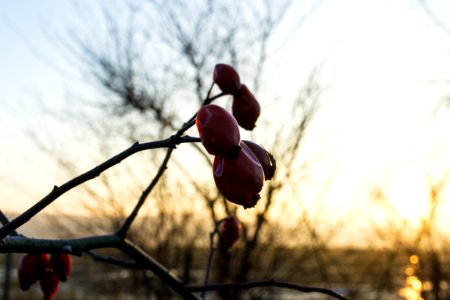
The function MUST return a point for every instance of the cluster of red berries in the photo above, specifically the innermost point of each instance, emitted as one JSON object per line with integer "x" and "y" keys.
{"x": 245, "y": 107}
{"x": 229, "y": 230}
{"x": 48, "y": 270}
{"x": 240, "y": 167}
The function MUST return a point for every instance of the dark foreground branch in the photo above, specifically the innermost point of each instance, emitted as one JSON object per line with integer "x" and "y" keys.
{"x": 89, "y": 175}
{"x": 127, "y": 263}
{"x": 267, "y": 283}
{"x": 21, "y": 244}
{"x": 147, "y": 262}
{"x": 4, "y": 220}
{"x": 139, "y": 260}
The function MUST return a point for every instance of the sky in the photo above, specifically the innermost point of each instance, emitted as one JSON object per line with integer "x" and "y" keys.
{"x": 385, "y": 65}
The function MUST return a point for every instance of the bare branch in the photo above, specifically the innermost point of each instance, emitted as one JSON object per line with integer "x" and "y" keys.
{"x": 22, "y": 244}
{"x": 4, "y": 220}
{"x": 127, "y": 263}
{"x": 267, "y": 283}
{"x": 126, "y": 225}
{"x": 91, "y": 174}
{"x": 159, "y": 270}
{"x": 77, "y": 246}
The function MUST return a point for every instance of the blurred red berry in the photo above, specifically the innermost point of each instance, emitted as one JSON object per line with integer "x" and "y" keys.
{"x": 42, "y": 262}
{"x": 49, "y": 285}
{"x": 218, "y": 130}
{"x": 265, "y": 159}
{"x": 229, "y": 231}
{"x": 31, "y": 268}
{"x": 227, "y": 78}
{"x": 245, "y": 108}
{"x": 27, "y": 271}
{"x": 239, "y": 179}
{"x": 61, "y": 264}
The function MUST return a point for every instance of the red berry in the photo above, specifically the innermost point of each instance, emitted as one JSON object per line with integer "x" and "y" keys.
{"x": 245, "y": 108}
{"x": 42, "y": 262}
{"x": 49, "y": 285}
{"x": 226, "y": 77}
{"x": 229, "y": 231}
{"x": 239, "y": 179}
{"x": 31, "y": 268}
{"x": 61, "y": 264}
{"x": 218, "y": 130}
{"x": 265, "y": 159}
{"x": 27, "y": 271}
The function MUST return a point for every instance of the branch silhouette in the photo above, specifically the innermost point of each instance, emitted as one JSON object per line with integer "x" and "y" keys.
{"x": 265, "y": 283}
{"x": 89, "y": 175}
{"x": 12, "y": 242}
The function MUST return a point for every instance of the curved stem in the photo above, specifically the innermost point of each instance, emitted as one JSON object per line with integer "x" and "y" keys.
{"x": 210, "y": 257}
{"x": 267, "y": 283}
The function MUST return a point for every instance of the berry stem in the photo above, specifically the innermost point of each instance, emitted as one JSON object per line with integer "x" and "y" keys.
{"x": 210, "y": 89}
{"x": 191, "y": 121}
{"x": 210, "y": 257}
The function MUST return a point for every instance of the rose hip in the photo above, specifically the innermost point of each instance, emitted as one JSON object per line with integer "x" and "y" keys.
{"x": 31, "y": 268}
{"x": 49, "y": 285}
{"x": 239, "y": 179}
{"x": 218, "y": 130}
{"x": 245, "y": 108}
{"x": 229, "y": 231}
{"x": 61, "y": 264}
{"x": 265, "y": 158}
{"x": 227, "y": 78}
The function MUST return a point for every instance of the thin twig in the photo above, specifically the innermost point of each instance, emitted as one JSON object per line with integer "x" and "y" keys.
{"x": 4, "y": 220}
{"x": 191, "y": 121}
{"x": 267, "y": 283}
{"x": 209, "y": 91}
{"x": 89, "y": 175}
{"x": 127, "y": 224}
{"x": 210, "y": 257}
{"x": 127, "y": 263}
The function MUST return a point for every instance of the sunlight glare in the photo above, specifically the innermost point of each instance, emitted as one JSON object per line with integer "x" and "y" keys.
{"x": 414, "y": 259}
{"x": 413, "y": 286}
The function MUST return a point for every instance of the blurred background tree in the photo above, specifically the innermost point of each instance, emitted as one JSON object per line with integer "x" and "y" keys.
{"x": 141, "y": 60}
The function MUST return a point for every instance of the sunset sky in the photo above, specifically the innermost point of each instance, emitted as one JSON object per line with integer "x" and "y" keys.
{"x": 385, "y": 65}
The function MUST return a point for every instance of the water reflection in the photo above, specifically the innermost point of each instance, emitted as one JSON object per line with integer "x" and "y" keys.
{"x": 412, "y": 290}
